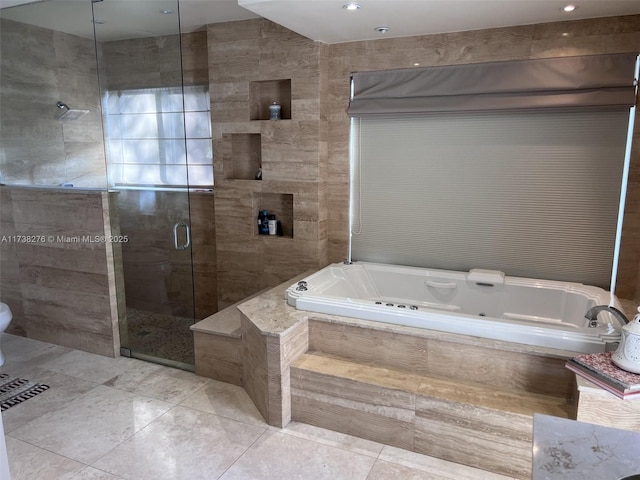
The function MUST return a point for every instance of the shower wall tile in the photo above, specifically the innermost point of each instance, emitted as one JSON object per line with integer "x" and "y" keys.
{"x": 580, "y": 37}
{"x": 156, "y": 61}
{"x": 203, "y": 239}
{"x": 195, "y": 68}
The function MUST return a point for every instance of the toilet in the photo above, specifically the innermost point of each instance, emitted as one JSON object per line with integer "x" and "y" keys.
{"x": 5, "y": 318}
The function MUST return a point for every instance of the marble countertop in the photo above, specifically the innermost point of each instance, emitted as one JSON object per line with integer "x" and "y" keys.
{"x": 567, "y": 450}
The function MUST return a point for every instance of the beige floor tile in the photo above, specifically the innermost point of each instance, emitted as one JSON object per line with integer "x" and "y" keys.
{"x": 184, "y": 444}
{"x": 334, "y": 439}
{"x": 435, "y": 466}
{"x": 91, "y": 473}
{"x": 276, "y": 457}
{"x": 23, "y": 353}
{"x": 91, "y": 367}
{"x": 156, "y": 381}
{"x": 92, "y": 424}
{"x": 27, "y": 462}
{"x": 62, "y": 390}
{"x": 226, "y": 400}
{"x": 387, "y": 471}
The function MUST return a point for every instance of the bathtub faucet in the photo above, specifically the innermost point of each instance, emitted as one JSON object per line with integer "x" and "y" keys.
{"x": 593, "y": 312}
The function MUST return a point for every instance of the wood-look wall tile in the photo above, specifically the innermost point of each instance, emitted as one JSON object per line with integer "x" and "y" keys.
{"x": 474, "y": 437}
{"x": 219, "y": 357}
{"x": 254, "y": 368}
{"x": 598, "y": 406}
{"x": 237, "y": 285}
{"x": 351, "y": 419}
{"x": 66, "y": 335}
{"x": 433, "y": 357}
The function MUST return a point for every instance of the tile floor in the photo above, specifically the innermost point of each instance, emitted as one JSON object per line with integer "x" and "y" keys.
{"x": 112, "y": 419}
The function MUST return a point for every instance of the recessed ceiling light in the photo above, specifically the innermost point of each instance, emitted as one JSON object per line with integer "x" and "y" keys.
{"x": 569, "y": 8}
{"x": 166, "y": 11}
{"x": 416, "y": 64}
{"x": 353, "y": 6}
{"x": 382, "y": 29}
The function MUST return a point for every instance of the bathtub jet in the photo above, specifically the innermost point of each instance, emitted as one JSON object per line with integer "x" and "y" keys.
{"x": 480, "y": 303}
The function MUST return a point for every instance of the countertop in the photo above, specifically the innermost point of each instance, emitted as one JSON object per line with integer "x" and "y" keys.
{"x": 567, "y": 450}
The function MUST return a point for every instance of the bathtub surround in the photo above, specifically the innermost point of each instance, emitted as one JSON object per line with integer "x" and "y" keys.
{"x": 455, "y": 397}
{"x": 392, "y": 384}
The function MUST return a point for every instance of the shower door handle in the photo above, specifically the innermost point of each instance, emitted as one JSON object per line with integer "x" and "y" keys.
{"x": 187, "y": 232}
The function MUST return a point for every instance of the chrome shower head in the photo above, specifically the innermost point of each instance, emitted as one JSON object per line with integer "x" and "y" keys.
{"x": 70, "y": 114}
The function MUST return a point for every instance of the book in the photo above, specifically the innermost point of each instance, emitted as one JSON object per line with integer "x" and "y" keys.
{"x": 599, "y": 369}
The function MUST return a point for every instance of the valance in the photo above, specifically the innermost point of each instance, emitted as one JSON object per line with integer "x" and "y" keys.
{"x": 589, "y": 80}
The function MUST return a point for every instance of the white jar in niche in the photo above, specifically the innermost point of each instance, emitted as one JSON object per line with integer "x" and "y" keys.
{"x": 275, "y": 111}
{"x": 273, "y": 224}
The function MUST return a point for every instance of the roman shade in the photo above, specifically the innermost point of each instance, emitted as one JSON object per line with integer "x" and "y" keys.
{"x": 581, "y": 81}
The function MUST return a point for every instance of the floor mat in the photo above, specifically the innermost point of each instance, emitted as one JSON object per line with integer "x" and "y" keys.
{"x": 14, "y": 391}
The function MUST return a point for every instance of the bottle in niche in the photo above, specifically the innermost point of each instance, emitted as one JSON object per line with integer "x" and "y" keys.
{"x": 264, "y": 227}
{"x": 275, "y": 111}
{"x": 272, "y": 224}
{"x": 262, "y": 221}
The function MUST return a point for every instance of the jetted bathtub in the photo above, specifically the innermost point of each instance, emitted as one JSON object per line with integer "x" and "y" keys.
{"x": 481, "y": 303}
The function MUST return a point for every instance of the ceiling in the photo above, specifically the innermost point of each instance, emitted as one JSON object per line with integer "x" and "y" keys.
{"x": 321, "y": 20}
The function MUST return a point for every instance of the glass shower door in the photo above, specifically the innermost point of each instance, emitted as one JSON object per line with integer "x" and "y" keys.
{"x": 145, "y": 128}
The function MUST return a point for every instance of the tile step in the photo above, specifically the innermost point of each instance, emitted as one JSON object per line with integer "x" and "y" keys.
{"x": 461, "y": 422}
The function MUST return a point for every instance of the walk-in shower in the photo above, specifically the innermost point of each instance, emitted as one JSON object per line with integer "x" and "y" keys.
{"x": 100, "y": 106}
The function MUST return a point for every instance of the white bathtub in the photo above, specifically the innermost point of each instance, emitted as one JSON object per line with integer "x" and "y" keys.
{"x": 480, "y": 303}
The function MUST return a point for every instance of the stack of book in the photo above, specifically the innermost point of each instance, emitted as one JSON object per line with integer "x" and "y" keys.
{"x": 599, "y": 369}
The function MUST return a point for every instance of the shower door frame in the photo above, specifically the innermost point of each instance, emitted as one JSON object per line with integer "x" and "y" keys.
{"x": 172, "y": 242}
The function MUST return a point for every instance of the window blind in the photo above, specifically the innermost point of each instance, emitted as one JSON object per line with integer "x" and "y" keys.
{"x": 564, "y": 82}
{"x": 532, "y": 193}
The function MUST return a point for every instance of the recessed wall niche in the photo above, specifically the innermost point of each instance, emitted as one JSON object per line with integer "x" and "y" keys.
{"x": 243, "y": 156}
{"x": 279, "y": 204}
{"x": 264, "y": 93}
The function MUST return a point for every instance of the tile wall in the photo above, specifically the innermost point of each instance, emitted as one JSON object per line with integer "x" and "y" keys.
{"x": 252, "y": 64}
{"x": 59, "y": 285}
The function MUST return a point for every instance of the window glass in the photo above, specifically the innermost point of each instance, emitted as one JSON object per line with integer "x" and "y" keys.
{"x": 158, "y": 137}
